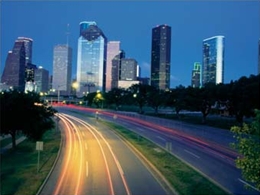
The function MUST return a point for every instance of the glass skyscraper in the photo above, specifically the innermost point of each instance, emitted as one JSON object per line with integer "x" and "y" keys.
{"x": 161, "y": 57}
{"x": 62, "y": 68}
{"x": 213, "y": 60}
{"x": 91, "y": 59}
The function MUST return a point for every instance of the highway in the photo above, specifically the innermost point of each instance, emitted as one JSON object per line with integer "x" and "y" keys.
{"x": 211, "y": 155}
{"x": 93, "y": 160}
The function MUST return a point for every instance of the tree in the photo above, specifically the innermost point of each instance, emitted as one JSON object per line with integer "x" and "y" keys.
{"x": 24, "y": 112}
{"x": 115, "y": 96}
{"x": 140, "y": 93}
{"x": 155, "y": 98}
{"x": 248, "y": 145}
{"x": 244, "y": 97}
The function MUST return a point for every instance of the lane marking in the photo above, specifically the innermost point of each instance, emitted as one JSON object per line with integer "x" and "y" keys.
{"x": 102, "y": 151}
{"x": 161, "y": 138}
{"x": 86, "y": 146}
{"x": 191, "y": 153}
{"x": 242, "y": 181}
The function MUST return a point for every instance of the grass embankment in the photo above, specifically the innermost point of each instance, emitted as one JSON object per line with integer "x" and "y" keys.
{"x": 183, "y": 178}
{"x": 19, "y": 167}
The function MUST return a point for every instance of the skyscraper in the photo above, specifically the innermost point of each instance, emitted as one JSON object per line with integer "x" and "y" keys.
{"x": 196, "y": 74}
{"x": 213, "y": 60}
{"x": 62, "y": 68}
{"x": 116, "y": 67}
{"x": 161, "y": 57}
{"x": 28, "y": 42}
{"x": 113, "y": 48}
{"x": 14, "y": 71}
{"x": 91, "y": 59}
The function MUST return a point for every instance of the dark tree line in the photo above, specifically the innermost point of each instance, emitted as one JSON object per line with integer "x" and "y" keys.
{"x": 26, "y": 113}
{"x": 238, "y": 98}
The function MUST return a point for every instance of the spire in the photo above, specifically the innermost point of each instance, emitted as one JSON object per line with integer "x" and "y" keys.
{"x": 67, "y": 34}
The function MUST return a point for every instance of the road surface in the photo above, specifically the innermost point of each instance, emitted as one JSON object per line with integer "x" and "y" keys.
{"x": 96, "y": 161}
{"x": 206, "y": 149}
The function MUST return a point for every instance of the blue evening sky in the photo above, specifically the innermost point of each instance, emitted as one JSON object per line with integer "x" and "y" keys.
{"x": 131, "y": 22}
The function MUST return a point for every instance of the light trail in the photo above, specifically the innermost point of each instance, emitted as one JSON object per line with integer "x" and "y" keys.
{"x": 81, "y": 157}
{"x": 102, "y": 151}
{"x": 57, "y": 190}
{"x": 90, "y": 127}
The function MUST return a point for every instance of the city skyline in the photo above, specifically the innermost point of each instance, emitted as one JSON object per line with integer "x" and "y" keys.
{"x": 191, "y": 23}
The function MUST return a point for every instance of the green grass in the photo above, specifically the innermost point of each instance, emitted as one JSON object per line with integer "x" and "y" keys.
{"x": 19, "y": 167}
{"x": 181, "y": 176}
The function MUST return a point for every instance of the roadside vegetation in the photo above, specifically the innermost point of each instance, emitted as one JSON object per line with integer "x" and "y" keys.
{"x": 19, "y": 166}
{"x": 183, "y": 178}
{"x": 25, "y": 114}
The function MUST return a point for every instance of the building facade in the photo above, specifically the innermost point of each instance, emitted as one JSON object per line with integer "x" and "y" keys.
{"x": 113, "y": 49}
{"x": 14, "y": 71}
{"x": 42, "y": 80}
{"x": 128, "y": 69}
{"x": 91, "y": 59}
{"x": 196, "y": 75}
{"x": 116, "y": 67}
{"x": 29, "y": 77}
{"x": 213, "y": 60}
{"x": 28, "y": 43}
{"x": 62, "y": 69}
{"x": 161, "y": 57}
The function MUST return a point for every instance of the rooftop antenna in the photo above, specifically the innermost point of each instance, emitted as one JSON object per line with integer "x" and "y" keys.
{"x": 68, "y": 33}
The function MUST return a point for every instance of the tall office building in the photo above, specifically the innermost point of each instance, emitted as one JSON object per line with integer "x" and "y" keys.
{"x": 91, "y": 59}
{"x": 116, "y": 67}
{"x": 113, "y": 49}
{"x": 42, "y": 80}
{"x": 213, "y": 60}
{"x": 14, "y": 71}
{"x": 196, "y": 75}
{"x": 128, "y": 70}
{"x": 28, "y": 42}
{"x": 62, "y": 68}
{"x": 258, "y": 56}
{"x": 161, "y": 57}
